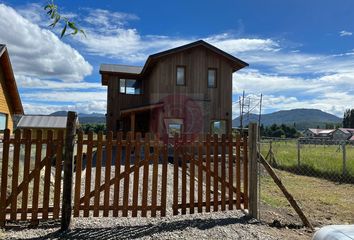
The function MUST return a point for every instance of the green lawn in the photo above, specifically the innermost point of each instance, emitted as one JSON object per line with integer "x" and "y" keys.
{"x": 315, "y": 160}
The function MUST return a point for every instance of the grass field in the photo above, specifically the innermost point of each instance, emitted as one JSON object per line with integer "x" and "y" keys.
{"x": 323, "y": 202}
{"x": 315, "y": 160}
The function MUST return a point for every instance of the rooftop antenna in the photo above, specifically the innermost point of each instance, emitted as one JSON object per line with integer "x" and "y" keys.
{"x": 259, "y": 117}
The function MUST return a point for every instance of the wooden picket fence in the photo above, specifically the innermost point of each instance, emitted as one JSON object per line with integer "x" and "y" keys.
{"x": 31, "y": 180}
{"x": 120, "y": 177}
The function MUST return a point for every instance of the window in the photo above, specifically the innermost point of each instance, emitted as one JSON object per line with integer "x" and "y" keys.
{"x": 218, "y": 127}
{"x": 211, "y": 77}
{"x": 130, "y": 86}
{"x": 174, "y": 126}
{"x": 3, "y": 121}
{"x": 181, "y": 76}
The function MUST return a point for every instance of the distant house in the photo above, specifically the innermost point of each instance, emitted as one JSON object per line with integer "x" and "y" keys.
{"x": 187, "y": 89}
{"x": 318, "y": 133}
{"x": 344, "y": 134}
{"x": 44, "y": 123}
{"x": 10, "y": 102}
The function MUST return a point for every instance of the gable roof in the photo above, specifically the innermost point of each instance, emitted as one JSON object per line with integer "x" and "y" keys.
{"x": 10, "y": 82}
{"x": 347, "y": 130}
{"x": 236, "y": 63}
{"x": 320, "y": 131}
{"x": 42, "y": 121}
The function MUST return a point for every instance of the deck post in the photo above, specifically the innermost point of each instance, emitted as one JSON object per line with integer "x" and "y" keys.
{"x": 253, "y": 170}
{"x": 132, "y": 122}
{"x": 68, "y": 171}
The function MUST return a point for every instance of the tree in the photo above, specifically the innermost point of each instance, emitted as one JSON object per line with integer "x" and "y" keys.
{"x": 348, "y": 118}
{"x": 55, "y": 17}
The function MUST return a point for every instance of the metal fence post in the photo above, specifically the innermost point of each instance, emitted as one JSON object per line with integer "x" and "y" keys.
{"x": 298, "y": 153}
{"x": 68, "y": 170}
{"x": 344, "y": 170}
{"x": 253, "y": 171}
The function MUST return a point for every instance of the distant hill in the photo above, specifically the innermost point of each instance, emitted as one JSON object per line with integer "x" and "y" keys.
{"x": 303, "y": 118}
{"x": 85, "y": 117}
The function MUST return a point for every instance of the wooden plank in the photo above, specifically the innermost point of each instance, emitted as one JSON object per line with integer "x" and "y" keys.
{"x": 207, "y": 184}
{"x": 37, "y": 171}
{"x": 15, "y": 172}
{"x": 27, "y": 161}
{"x": 136, "y": 174}
{"x": 245, "y": 172}
{"x": 70, "y": 132}
{"x": 146, "y": 174}
{"x": 4, "y": 175}
{"x": 58, "y": 170}
{"x": 216, "y": 173}
{"x": 78, "y": 171}
{"x": 126, "y": 175}
{"x": 200, "y": 174}
{"x": 107, "y": 177}
{"x": 238, "y": 172}
{"x": 204, "y": 204}
{"x": 184, "y": 175}
{"x": 191, "y": 177}
{"x": 223, "y": 173}
{"x": 88, "y": 174}
{"x": 175, "y": 174}
{"x": 117, "y": 166}
{"x": 164, "y": 181}
{"x": 253, "y": 176}
{"x": 231, "y": 169}
{"x": 47, "y": 173}
{"x": 155, "y": 176}
{"x": 98, "y": 174}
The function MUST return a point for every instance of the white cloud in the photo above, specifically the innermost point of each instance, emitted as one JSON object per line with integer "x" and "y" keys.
{"x": 345, "y": 33}
{"x": 38, "y": 52}
{"x": 66, "y": 96}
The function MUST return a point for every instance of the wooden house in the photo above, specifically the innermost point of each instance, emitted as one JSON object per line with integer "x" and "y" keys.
{"x": 10, "y": 102}
{"x": 187, "y": 89}
{"x": 343, "y": 134}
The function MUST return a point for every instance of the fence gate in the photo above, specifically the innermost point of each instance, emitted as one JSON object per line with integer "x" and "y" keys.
{"x": 31, "y": 176}
{"x": 208, "y": 173}
{"x": 103, "y": 185}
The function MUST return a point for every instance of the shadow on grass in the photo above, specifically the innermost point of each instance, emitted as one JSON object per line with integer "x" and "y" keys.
{"x": 306, "y": 170}
{"x": 133, "y": 232}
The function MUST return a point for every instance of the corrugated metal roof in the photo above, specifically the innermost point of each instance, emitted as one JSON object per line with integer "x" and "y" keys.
{"x": 347, "y": 130}
{"x": 41, "y": 121}
{"x": 117, "y": 68}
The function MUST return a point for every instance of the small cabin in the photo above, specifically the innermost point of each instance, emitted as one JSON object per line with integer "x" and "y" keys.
{"x": 43, "y": 123}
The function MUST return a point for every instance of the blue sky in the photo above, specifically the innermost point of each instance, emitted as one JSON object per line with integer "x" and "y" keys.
{"x": 301, "y": 53}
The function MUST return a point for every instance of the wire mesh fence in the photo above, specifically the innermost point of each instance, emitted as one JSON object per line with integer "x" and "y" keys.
{"x": 319, "y": 175}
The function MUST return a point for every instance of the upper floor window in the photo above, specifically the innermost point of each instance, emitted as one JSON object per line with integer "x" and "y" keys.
{"x": 130, "y": 86}
{"x": 181, "y": 75}
{"x": 212, "y": 77}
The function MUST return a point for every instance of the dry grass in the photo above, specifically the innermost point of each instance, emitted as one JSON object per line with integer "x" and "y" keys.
{"x": 323, "y": 202}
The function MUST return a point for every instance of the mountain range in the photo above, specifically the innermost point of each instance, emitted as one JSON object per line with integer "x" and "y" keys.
{"x": 300, "y": 118}
{"x": 85, "y": 117}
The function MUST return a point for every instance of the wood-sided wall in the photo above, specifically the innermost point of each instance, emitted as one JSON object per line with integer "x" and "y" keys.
{"x": 5, "y": 101}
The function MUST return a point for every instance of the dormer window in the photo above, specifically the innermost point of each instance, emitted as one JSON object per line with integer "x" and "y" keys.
{"x": 212, "y": 78}
{"x": 181, "y": 75}
{"x": 130, "y": 86}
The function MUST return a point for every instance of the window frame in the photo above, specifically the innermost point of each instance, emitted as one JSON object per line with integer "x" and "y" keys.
{"x": 218, "y": 120}
{"x": 184, "y": 75}
{"x": 215, "y": 79}
{"x": 6, "y": 121}
{"x": 125, "y": 86}
{"x": 175, "y": 121}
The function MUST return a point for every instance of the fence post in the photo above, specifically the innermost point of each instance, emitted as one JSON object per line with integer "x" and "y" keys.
{"x": 253, "y": 170}
{"x": 298, "y": 153}
{"x": 344, "y": 170}
{"x": 68, "y": 170}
